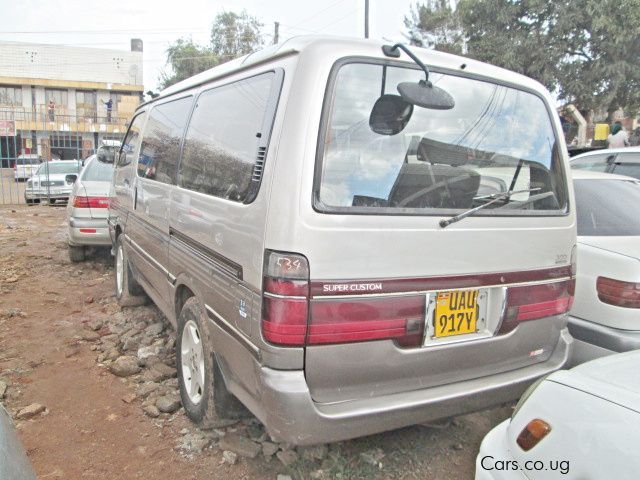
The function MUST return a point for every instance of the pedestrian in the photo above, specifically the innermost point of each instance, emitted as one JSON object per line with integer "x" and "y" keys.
{"x": 618, "y": 138}
{"x": 634, "y": 140}
{"x": 109, "y": 105}
{"x": 52, "y": 110}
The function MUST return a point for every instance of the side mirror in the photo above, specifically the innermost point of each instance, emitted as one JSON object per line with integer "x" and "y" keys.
{"x": 106, "y": 155}
{"x": 424, "y": 94}
{"x": 71, "y": 178}
{"x": 390, "y": 114}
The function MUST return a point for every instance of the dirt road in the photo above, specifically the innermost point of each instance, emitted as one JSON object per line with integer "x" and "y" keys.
{"x": 61, "y": 337}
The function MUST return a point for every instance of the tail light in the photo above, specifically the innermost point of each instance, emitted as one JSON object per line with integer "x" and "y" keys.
{"x": 291, "y": 318}
{"x": 91, "y": 202}
{"x": 285, "y": 302}
{"x": 355, "y": 320}
{"x": 532, "y": 434}
{"x": 537, "y": 301}
{"x": 618, "y": 292}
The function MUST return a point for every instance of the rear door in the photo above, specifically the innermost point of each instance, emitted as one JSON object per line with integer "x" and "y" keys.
{"x": 400, "y": 301}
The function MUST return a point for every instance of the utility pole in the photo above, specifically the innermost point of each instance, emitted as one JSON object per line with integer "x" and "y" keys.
{"x": 276, "y": 31}
{"x": 366, "y": 18}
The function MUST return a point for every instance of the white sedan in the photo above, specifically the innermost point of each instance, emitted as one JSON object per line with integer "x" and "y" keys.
{"x": 580, "y": 423}
{"x": 605, "y": 317}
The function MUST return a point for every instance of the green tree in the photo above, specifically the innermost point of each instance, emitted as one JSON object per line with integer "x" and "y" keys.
{"x": 235, "y": 34}
{"x": 186, "y": 59}
{"x": 232, "y": 35}
{"x": 434, "y": 24}
{"x": 586, "y": 51}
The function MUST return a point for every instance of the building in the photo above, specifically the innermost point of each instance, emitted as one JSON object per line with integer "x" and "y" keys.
{"x": 54, "y": 98}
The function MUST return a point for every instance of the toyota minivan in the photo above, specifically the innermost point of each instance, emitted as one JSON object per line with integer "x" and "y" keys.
{"x": 349, "y": 237}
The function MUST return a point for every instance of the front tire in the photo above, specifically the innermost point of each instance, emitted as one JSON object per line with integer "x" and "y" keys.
{"x": 204, "y": 395}
{"x": 129, "y": 293}
{"x": 77, "y": 253}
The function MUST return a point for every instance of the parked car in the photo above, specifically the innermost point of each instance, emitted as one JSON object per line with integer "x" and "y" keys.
{"x": 331, "y": 256}
{"x": 580, "y": 423}
{"x": 49, "y": 182}
{"x": 622, "y": 161}
{"x": 14, "y": 464}
{"x": 25, "y": 166}
{"x": 87, "y": 209}
{"x": 605, "y": 315}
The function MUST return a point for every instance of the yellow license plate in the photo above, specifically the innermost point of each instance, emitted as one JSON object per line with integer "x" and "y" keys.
{"x": 456, "y": 313}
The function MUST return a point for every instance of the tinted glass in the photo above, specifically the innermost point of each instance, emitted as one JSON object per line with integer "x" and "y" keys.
{"x": 50, "y": 168}
{"x": 628, "y": 164}
{"x": 97, "y": 171}
{"x": 607, "y": 207}
{"x": 496, "y": 138}
{"x": 597, "y": 163}
{"x": 160, "y": 151}
{"x": 131, "y": 141}
{"x": 222, "y": 139}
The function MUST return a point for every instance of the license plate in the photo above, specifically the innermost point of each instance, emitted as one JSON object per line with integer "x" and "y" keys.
{"x": 456, "y": 313}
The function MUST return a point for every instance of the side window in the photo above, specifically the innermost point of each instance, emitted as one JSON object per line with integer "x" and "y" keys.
{"x": 223, "y": 138}
{"x": 628, "y": 164}
{"x": 597, "y": 163}
{"x": 160, "y": 149}
{"x": 131, "y": 141}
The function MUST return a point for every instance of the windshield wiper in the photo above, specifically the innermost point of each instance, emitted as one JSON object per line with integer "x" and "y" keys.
{"x": 496, "y": 197}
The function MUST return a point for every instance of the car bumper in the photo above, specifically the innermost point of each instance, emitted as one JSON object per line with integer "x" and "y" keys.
{"x": 491, "y": 462}
{"x": 88, "y": 231}
{"x": 593, "y": 340}
{"x": 282, "y": 401}
{"x": 45, "y": 195}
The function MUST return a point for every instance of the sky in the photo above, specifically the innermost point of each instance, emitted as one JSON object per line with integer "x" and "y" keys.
{"x": 111, "y": 24}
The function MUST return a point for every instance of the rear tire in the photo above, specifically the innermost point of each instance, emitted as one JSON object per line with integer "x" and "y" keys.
{"x": 204, "y": 395}
{"x": 129, "y": 293}
{"x": 77, "y": 253}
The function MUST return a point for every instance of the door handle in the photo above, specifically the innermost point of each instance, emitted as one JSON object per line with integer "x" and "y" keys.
{"x": 135, "y": 197}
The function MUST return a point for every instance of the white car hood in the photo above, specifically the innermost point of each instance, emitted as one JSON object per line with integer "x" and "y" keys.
{"x": 627, "y": 245}
{"x": 615, "y": 378}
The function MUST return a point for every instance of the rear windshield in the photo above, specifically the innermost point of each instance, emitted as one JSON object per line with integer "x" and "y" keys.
{"x": 605, "y": 207}
{"x": 495, "y": 139}
{"x": 97, "y": 171}
{"x": 48, "y": 168}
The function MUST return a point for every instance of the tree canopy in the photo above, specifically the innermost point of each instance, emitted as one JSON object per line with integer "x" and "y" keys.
{"x": 232, "y": 35}
{"x": 586, "y": 51}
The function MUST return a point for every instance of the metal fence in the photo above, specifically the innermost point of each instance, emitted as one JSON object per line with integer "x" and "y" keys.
{"x": 30, "y": 142}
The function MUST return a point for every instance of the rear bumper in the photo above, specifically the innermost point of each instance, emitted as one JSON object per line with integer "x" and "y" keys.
{"x": 33, "y": 194}
{"x": 99, "y": 238}
{"x": 285, "y": 406}
{"x": 593, "y": 340}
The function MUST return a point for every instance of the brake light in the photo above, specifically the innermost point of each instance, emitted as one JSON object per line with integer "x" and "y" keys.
{"x": 532, "y": 434}
{"x": 291, "y": 318}
{"x": 356, "y": 320}
{"x": 531, "y": 302}
{"x": 618, "y": 292}
{"x": 285, "y": 302}
{"x": 91, "y": 202}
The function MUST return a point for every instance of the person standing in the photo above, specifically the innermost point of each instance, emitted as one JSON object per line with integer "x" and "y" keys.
{"x": 618, "y": 138}
{"x": 52, "y": 110}
{"x": 109, "y": 105}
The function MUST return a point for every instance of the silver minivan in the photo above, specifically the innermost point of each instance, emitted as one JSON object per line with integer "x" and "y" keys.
{"x": 349, "y": 237}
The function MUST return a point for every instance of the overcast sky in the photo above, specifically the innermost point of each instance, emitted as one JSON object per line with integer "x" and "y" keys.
{"x": 160, "y": 22}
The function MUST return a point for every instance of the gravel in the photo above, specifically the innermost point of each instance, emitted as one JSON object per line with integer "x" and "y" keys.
{"x": 125, "y": 366}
